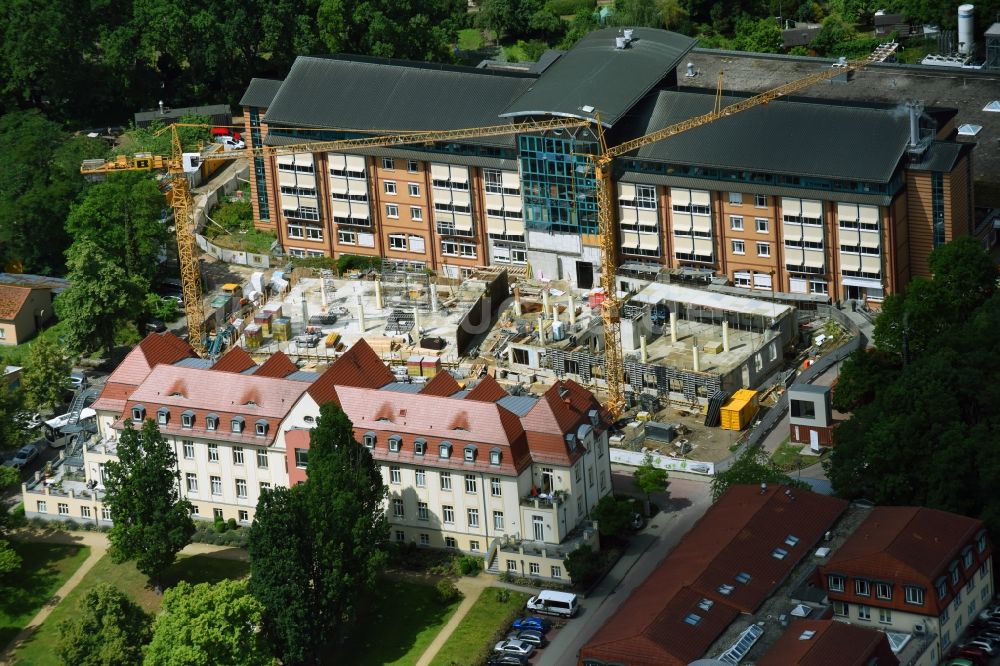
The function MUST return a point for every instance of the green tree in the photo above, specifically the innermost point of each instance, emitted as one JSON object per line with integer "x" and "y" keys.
{"x": 834, "y": 31}
{"x": 108, "y": 629}
{"x": 637, "y": 13}
{"x": 584, "y": 565}
{"x": 672, "y": 13}
{"x": 151, "y": 521}
{"x": 100, "y": 297}
{"x": 758, "y": 35}
{"x": 613, "y": 516}
{"x": 862, "y": 374}
{"x": 752, "y": 467}
{"x": 649, "y": 479}
{"x": 414, "y": 30}
{"x": 13, "y": 434}
{"x": 10, "y": 561}
{"x": 208, "y": 624}
{"x": 582, "y": 24}
{"x": 315, "y": 550}
{"x": 45, "y": 378}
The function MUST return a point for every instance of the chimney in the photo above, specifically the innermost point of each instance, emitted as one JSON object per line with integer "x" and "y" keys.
{"x": 161, "y": 108}
{"x": 690, "y": 71}
{"x": 916, "y": 108}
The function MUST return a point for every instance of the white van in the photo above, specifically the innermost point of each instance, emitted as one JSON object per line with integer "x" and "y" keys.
{"x": 554, "y": 603}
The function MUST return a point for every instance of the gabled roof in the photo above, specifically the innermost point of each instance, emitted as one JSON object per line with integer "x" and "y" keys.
{"x": 443, "y": 384}
{"x": 594, "y": 73}
{"x": 829, "y": 643}
{"x": 905, "y": 541}
{"x": 279, "y": 365}
{"x": 736, "y": 535}
{"x": 487, "y": 390}
{"x": 234, "y": 360}
{"x": 12, "y": 299}
{"x": 260, "y": 92}
{"x": 563, "y": 408}
{"x": 360, "y": 366}
{"x": 155, "y": 349}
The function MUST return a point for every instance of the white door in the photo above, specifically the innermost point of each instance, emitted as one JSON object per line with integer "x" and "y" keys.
{"x": 814, "y": 441}
{"x": 537, "y": 524}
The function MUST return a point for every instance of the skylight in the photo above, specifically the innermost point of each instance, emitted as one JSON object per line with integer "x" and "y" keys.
{"x": 993, "y": 106}
{"x": 779, "y": 553}
{"x": 706, "y": 604}
{"x": 969, "y": 129}
{"x": 726, "y": 589}
{"x": 806, "y": 635}
{"x": 791, "y": 540}
{"x": 692, "y": 619}
{"x": 743, "y": 577}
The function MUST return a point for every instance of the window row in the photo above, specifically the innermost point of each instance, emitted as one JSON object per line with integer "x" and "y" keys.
{"x": 238, "y": 454}
{"x": 763, "y": 248}
{"x": 471, "y": 480}
{"x": 215, "y": 483}
{"x": 389, "y": 186}
{"x": 188, "y": 418}
{"x": 62, "y": 509}
{"x": 395, "y": 445}
{"x": 389, "y": 164}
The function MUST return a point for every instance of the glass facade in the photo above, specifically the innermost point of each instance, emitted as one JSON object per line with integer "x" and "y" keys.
{"x": 937, "y": 204}
{"x": 258, "y": 166}
{"x": 557, "y": 184}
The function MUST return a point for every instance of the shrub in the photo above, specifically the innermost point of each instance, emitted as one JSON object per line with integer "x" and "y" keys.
{"x": 568, "y": 7}
{"x": 503, "y": 595}
{"x": 231, "y": 523}
{"x": 584, "y": 565}
{"x": 447, "y": 592}
{"x": 468, "y": 565}
{"x": 220, "y": 525}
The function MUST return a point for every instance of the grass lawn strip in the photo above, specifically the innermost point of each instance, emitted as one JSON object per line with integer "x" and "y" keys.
{"x": 787, "y": 456}
{"x": 44, "y": 569}
{"x": 486, "y": 617}
{"x": 470, "y": 39}
{"x": 406, "y": 618}
{"x": 37, "y": 650}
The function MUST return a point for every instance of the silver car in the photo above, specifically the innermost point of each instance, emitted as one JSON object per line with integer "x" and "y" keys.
{"x": 514, "y": 646}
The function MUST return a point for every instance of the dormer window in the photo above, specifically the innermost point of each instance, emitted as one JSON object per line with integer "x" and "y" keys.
{"x": 162, "y": 415}
{"x": 138, "y": 413}
{"x": 594, "y": 416}
{"x": 212, "y": 422}
{"x": 470, "y": 453}
{"x": 981, "y": 541}
{"x": 395, "y": 441}
{"x": 571, "y": 442}
{"x": 444, "y": 450}
{"x": 495, "y": 455}
{"x": 236, "y": 425}
{"x": 369, "y": 440}
{"x": 187, "y": 419}
{"x": 260, "y": 427}
{"x": 967, "y": 557}
{"x": 419, "y": 446}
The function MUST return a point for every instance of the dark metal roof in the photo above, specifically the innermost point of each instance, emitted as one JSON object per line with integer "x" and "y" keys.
{"x": 371, "y": 94}
{"x": 415, "y": 154}
{"x": 596, "y": 73}
{"x": 217, "y": 112}
{"x": 260, "y": 92}
{"x": 940, "y": 156}
{"x": 798, "y": 137}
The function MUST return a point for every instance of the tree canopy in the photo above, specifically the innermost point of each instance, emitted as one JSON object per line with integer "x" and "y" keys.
{"x": 45, "y": 378}
{"x": 649, "y": 479}
{"x": 752, "y": 467}
{"x": 315, "y": 549}
{"x": 151, "y": 521}
{"x": 13, "y": 434}
{"x": 10, "y": 561}
{"x": 108, "y": 629}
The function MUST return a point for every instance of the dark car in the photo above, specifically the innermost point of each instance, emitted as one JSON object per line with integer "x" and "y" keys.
{"x": 529, "y": 636}
{"x": 976, "y": 656}
{"x": 507, "y": 660}
{"x": 155, "y": 326}
{"x": 532, "y": 622}
{"x": 24, "y": 456}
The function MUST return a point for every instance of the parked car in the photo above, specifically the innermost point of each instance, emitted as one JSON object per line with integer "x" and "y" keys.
{"x": 24, "y": 456}
{"x": 229, "y": 143}
{"x": 975, "y": 655}
{"x": 507, "y": 660}
{"x": 986, "y": 645}
{"x": 77, "y": 380}
{"x": 989, "y": 634}
{"x": 532, "y": 622}
{"x": 990, "y": 613}
{"x": 30, "y": 420}
{"x": 961, "y": 661}
{"x": 529, "y": 636}
{"x": 512, "y": 646}
{"x": 307, "y": 340}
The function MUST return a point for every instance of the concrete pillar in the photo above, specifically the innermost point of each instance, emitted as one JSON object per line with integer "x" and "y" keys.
{"x": 510, "y": 354}
{"x": 322, "y": 291}
{"x": 697, "y": 356}
{"x": 555, "y": 312}
{"x": 434, "y": 297}
{"x": 305, "y": 311}
{"x": 725, "y": 336}
{"x": 541, "y": 331}
{"x": 378, "y": 295}
{"x": 361, "y": 313}
{"x": 545, "y": 300}
{"x": 644, "y": 355}
{"x": 517, "y": 301}
{"x": 572, "y": 309}
{"x": 673, "y": 327}
{"x": 416, "y": 322}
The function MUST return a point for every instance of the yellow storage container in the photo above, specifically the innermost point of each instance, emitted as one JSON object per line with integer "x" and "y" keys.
{"x": 739, "y": 410}
{"x": 252, "y": 337}
{"x": 332, "y": 339}
{"x": 281, "y": 329}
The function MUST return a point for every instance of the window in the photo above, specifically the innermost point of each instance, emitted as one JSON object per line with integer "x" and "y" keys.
{"x": 138, "y": 413}
{"x": 237, "y": 455}
{"x": 760, "y": 201}
{"x": 967, "y": 557}
{"x": 216, "y": 485}
{"x": 187, "y": 419}
{"x": 474, "y": 545}
{"x": 262, "y": 459}
{"x": 802, "y": 409}
{"x": 412, "y": 166}
{"x": 743, "y": 577}
{"x": 422, "y": 511}
{"x": 105, "y": 512}
{"x": 739, "y": 247}
{"x": 444, "y": 450}
{"x": 419, "y": 446}
{"x": 264, "y": 486}
{"x": 414, "y": 190}
{"x": 425, "y": 540}
{"x": 241, "y": 488}
{"x": 557, "y": 572}
{"x": 213, "y": 453}
{"x": 63, "y": 509}
{"x": 192, "y": 482}
{"x": 693, "y": 619}
{"x": 512, "y": 565}
{"x": 761, "y": 224}
{"x": 495, "y": 456}
{"x": 470, "y": 454}
{"x": 445, "y": 480}
{"x": 260, "y": 427}
{"x": 162, "y": 415}
{"x": 392, "y": 210}
{"x": 473, "y": 516}
{"x": 841, "y": 609}
{"x": 736, "y": 223}
{"x": 85, "y": 512}
{"x": 763, "y": 249}
{"x": 954, "y": 573}
{"x": 818, "y": 286}
{"x": 864, "y": 612}
{"x": 400, "y": 536}
{"x": 394, "y": 443}
{"x": 885, "y": 616}
{"x": 972, "y": 608}
{"x": 470, "y": 483}
{"x": 498, "y": 520}
{"x": 189, "y": 450}
{"x": 421, "y": 477}
{"x": 883, "y": 590}
{"x": 244, "y": 516}
{"x": 534, "y": 569}
{"x": 211, "y": 422}
{"x": 496, "y": 488}
{"x": 387, "y": 163}
{"x": 236, "y": 425}
{"x": 448, "y": 514}
{"x": 984, "y": 570}
{"x": 397, "y": 508}
{"x": 579, "y": 473}
{"x": 603, "y": 481}
{"x": 981, "y": 541}
{"x": 735, "y": 198}
{"x": 645, "y": 196}
{"x": 416, "y": 213}
{"x": 370, "y": 439}
{"x": 835, "y": 583}
{"x": 862, "y": 587}
{"x": 450, "y": 542}
{"x": 590, "y": 477}
{"x": 791, "y": 540}
{"x": 389, "y": 186}
{"x": 779, "y": 553}
{"x": 395, "y": 476}
{"x": 302, "y": 458}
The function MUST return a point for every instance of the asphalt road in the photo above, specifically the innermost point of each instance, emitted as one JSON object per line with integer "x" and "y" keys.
{"x": 682, "y": 505}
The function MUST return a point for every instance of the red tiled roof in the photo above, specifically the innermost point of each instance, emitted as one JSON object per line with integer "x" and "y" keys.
{"x": 563, "y": 408}
{"x": 12, "y": 299}
{"x": 279, "y": 365}
{"x": 487, "y": 390}
{"x": 737, "y": 534}
{"x": 234, "y": 360}
{"x": 832, "y": 643}
{"x": 155, "y": 349}
{"x": 360, "y": 366}
{"x": 443, "y": 384}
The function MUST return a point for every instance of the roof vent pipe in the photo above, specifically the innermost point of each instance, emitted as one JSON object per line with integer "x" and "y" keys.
{"x": 915, "y": 108}
{"x": 628, "y": 34}
{"x": 620, "y": 43}
{"x": 690, "y": 71}
{"x": 161, "y": 107}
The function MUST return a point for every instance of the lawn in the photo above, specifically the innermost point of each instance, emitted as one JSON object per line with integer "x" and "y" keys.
{"x": 789, "y": 456}
{"x": 470, "y": 39}
{"x": 485, "y": 619}
{"x": 45, "y": 567}
{"x": 37, "y": 650}
{"x": 18, "y": 354}
{"x": 415, "y": 616}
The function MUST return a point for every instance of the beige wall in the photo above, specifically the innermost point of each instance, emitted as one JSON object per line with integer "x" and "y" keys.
{"x": 22, "y": 327}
